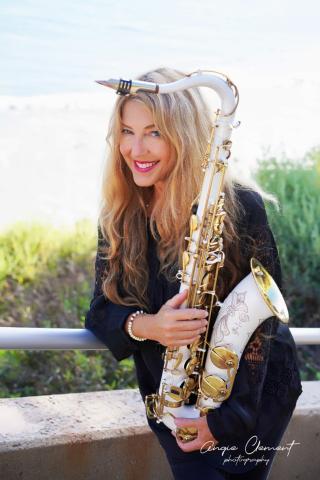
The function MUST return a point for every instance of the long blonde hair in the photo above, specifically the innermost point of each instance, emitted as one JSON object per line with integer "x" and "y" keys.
{"x": 183, "y": 120}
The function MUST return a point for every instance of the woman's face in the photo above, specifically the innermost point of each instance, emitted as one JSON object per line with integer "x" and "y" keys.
{"x": 149, "y": 157}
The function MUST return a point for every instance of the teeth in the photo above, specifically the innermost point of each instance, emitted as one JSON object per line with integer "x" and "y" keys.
{"x": 145, "y": 165}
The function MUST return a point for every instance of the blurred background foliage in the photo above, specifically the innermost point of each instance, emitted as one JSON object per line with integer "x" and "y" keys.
{"x": 296, "y": 227}
{"x": 47, "y": 275}
{"x": 46, "y": 280}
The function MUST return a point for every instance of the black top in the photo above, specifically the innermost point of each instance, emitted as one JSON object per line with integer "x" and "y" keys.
{"x": 267, "y": 383}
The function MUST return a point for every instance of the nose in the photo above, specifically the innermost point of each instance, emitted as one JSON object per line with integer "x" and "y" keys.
{"x": 138, "y": 147}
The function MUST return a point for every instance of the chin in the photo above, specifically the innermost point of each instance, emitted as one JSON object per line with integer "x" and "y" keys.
{"x": 143, "y": 182}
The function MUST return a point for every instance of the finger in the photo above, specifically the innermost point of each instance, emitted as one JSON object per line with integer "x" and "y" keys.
{"x": 189, "y": 446}
{"x": 177, "y": 300}
{"x": 190, "y": 325}
{"x": 184, "y": 342}
{"x": 182, "y": 422}
{"x": 187, "y": 335}
{"x": 188, "y": 313}
{"x": 185, "y": 423}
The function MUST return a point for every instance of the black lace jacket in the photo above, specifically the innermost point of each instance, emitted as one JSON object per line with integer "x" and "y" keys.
{"x": 267, "y": 383}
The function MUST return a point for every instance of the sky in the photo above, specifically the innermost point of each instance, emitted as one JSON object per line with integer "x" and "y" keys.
{"x": 60, "y": 46}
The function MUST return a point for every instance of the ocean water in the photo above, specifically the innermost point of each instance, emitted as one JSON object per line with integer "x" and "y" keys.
{"x": 53, "y": 116}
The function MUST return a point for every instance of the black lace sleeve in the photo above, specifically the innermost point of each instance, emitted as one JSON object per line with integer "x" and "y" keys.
{"x": 237, "y": 416}
{"x": 263, "y": 246}
{"x": 264, "y": 249}
{"x": 106, "y": 319}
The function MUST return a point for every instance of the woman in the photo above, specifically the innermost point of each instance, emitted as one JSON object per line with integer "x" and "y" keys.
{"x": 152, "y": 177}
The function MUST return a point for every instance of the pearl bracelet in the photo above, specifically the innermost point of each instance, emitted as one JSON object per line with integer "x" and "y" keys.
{"x": 130, "y": 323}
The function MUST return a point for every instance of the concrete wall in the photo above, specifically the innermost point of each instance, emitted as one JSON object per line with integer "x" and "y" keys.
{"x": 303, "y": 462}
{"x": 104, "y": 435}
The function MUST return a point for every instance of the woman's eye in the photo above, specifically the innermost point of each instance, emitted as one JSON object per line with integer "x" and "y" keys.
{"x": 126, "y": 131}
{"x": 155, "y": 133}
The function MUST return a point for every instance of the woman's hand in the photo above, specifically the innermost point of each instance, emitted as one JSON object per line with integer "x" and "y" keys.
{"x": 204, "y": 440}
{"x": 174, "y": 326}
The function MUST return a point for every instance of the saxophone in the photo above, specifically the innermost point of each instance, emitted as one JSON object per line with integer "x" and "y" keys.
{"x": 198, "y": 377}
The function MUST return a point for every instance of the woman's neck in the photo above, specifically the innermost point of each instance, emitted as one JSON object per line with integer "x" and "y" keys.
{"x": 153, "y": 197}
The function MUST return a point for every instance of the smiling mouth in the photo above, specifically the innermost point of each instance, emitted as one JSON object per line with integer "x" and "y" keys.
{"x": 144, "y": 166}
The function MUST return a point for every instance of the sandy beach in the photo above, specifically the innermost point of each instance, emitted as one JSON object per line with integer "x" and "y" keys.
{"x": 52, "y": 151}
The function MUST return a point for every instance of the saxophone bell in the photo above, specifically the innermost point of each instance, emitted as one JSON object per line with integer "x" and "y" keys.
{"x": 269, "y": 291}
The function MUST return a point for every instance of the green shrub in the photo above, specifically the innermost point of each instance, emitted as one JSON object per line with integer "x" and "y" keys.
{"x": 46, "y": 281}
{"x": 297, "y": 230}
{"x": 24, "y": 373}
{"x": 28, "y": 250}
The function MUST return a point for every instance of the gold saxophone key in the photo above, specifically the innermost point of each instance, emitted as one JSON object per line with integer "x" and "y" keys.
{"x": 223, "y": 358}
{"x": 186, "y": 434}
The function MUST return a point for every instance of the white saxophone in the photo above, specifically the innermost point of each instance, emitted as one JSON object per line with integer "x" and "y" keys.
{"x": 198, "y": 377}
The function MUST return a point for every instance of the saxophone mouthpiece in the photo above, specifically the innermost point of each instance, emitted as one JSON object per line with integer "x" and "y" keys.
{"x": 111, "y": 83}
{"x": 129, "y": 87}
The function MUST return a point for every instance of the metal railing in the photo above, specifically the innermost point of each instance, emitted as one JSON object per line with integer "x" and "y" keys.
{"x": 24, "y": 338}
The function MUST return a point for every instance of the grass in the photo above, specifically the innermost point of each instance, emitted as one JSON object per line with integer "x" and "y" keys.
{"x": 29, "y": 250}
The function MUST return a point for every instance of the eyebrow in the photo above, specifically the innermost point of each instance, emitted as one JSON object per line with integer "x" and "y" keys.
{"x": 148, "y": 126}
